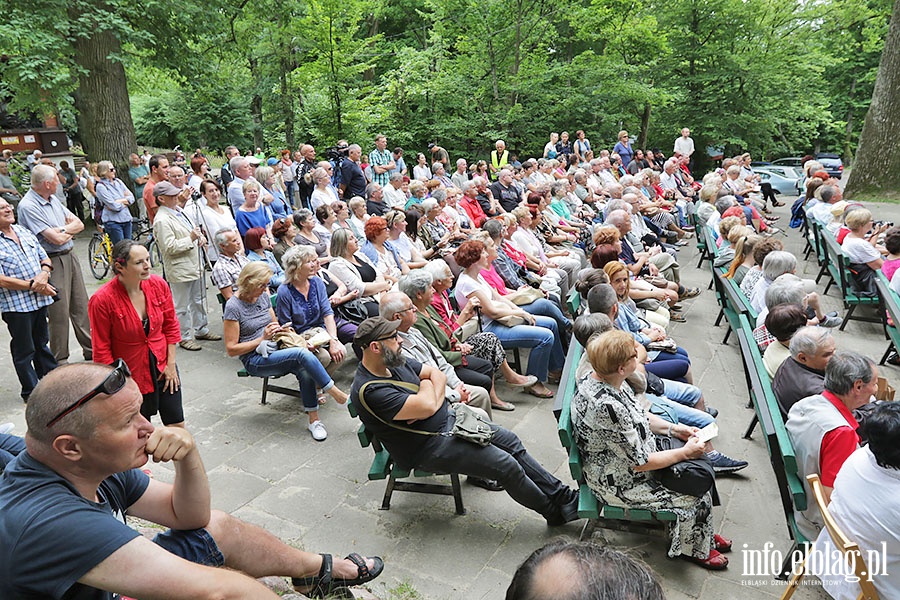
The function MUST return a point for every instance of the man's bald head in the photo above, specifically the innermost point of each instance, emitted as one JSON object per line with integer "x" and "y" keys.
{"x": 57, "y": 391}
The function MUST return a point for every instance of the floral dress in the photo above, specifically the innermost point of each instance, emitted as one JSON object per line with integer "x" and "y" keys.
{"x": 613, "y": 436}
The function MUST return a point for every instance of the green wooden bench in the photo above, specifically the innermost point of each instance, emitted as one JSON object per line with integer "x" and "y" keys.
{"x": 838, "y": 269}
{"x": 778, "y": 443}
{"x": 735, "y": 303}
{"x": 635, "y": 520}
{"x": 890, "y": 305}
{"x": 383, "y": 467}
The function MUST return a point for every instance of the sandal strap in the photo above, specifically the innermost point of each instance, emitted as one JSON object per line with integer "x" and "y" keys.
{"x": 362, "y": 569}
{"x": 322, "y": 580}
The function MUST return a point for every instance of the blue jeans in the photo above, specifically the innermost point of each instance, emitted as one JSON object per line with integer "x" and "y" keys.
{"x": 117, "y": 231}
{"x": 674, "y": 412}
{"x": 546, "y": 308}
{"x": 670, "y": 366}
{"x": 301, "y": 363}
{"x": 682, "y": 393}
{"x": 29, "y": 346}
{"x": 290, "y": 186}
{"x": 543, "y": 339}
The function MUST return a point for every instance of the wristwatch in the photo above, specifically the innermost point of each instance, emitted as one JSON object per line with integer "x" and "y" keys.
{"x": 62, "y": 230}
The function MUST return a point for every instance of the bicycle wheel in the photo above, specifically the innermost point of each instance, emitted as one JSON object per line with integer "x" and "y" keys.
{"x": 98, "y": 258}
{"x": 156, "y": 263}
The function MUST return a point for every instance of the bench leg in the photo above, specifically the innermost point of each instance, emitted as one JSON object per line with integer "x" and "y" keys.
{"x": 457, "y": 494}
{"x": 828, "y": 287}
{"x": 265, "y": 390}
{"x": 886, "y": 354}
{"x": 388, "y": 491}
{"x": 702, "y": 257}
{"x": 719, "y": 318}
{"x": 752, "y": 426}
{"x": 787, "y": 566}
{"x": 727, "y": 333}
{"x": 847, "y": 317}
{"x": 587, "y": 531}
{"x": 712, "y": 282}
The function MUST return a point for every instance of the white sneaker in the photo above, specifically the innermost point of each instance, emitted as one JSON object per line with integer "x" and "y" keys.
{"x": 317, "y": 429}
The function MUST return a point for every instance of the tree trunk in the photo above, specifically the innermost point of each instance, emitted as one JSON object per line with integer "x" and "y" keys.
{"x": 645, "y": 126}
{"x": 878, "y": 156}
{"x": 101, "y": 101}
{"x": 287, "y": 98}
{"x": 256, "y": 107}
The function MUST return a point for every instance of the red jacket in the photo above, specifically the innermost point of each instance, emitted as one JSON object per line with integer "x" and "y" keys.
{"x": 117, "y": 332}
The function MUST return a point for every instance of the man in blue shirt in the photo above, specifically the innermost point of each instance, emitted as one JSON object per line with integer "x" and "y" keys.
{"x": 139, "y": 173}
{"x": 80, "y": 474}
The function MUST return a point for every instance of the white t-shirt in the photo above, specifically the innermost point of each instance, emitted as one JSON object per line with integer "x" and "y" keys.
{"x": 465, "y": 286}
{"x": 866, "y": 506}
{"x": 859, "y": 251}
{"x": 684, "y": 145}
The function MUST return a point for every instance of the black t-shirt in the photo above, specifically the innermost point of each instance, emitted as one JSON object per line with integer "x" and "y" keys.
{"x": 508, "y": 197}
{"x": 352, "y": 177}
{"x": 387, "y": 400}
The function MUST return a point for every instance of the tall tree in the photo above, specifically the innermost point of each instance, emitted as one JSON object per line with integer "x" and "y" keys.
{"x": 878, "y": 157}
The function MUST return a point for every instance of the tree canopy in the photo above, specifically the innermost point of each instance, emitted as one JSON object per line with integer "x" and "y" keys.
{"x": 767, "y": 76}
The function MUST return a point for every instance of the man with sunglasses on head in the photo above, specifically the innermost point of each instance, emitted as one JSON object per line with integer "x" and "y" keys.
{"x": 63, "y": 503}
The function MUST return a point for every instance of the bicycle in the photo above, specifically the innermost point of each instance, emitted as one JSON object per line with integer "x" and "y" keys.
{"x": 99, "y": 254}
{"x": 100, "y": 249}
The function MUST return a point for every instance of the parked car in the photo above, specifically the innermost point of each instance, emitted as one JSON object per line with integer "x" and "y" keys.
{"x": 832, "y": 163}
{"x": 790, "y": 161}
{"x": 784, "y": 180}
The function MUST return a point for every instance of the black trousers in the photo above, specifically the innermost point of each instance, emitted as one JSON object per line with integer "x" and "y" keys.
{"x": 478, "y": 372}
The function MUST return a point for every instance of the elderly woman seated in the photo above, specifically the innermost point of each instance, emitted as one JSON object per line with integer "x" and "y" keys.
{"x": 862, "y": 249}
{"x": 668, "y": 365}
{"x": 541, "y": 334}
{"x": 250, "y": 329}
{"x": 621, "y": 456}
{"x": 305, "y": 304}
{"x": 356, "y": 271}
{"x": 308, "y": 236}
{"x": 782, "y": 323}
{"x": 380, "y": 251}
{"x": 790, "y": 289}
{"x": 259, "y": 248}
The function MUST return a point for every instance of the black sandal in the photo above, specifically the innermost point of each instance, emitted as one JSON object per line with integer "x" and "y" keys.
{"x": 325, "y": 584}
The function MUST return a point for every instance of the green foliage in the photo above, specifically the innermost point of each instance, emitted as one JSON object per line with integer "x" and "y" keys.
{"x": 767, "y": 76}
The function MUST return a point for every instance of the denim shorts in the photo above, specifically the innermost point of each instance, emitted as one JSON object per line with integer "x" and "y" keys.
{"x": 195, "y": 545}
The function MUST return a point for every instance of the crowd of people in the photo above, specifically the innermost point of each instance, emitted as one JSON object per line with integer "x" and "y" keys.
{"x": 429, "y": 274}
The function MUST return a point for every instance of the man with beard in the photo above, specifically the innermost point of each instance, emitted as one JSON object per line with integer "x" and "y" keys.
{"x": 402, "y": 402}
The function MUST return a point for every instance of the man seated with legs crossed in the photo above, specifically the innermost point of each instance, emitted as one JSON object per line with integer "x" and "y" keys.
{"x": 63, "y": 503}
{"x": 402, "y": 402}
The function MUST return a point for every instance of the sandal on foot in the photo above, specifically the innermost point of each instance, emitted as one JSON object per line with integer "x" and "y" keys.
{"x": 325, "y": 584}
{"x": 677, "y": 317}
{"x": 505, "y": 406}
{"x": 723, "y": 544}
{"x": 716, "y": 561}
{"x": 554, "y": 376}
{"x": 776, "y": 203}
{"x": 530, "y": 380}
{"x": 534, "y": 392}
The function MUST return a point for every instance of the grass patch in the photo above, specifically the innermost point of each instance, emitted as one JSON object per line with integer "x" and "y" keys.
{"x": 403, "y": 591}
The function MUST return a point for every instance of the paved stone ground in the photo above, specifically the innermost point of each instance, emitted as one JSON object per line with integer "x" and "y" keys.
{"x": 264, "y": 467}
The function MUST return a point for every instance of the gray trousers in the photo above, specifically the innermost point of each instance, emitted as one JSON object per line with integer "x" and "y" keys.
{"x": 190, "y": 308}
{"x": 72, "y": 304}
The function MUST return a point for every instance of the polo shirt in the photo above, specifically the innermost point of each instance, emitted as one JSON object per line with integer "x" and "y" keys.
{"x": 838, "y": 444}
{"x": 38, "y": 214}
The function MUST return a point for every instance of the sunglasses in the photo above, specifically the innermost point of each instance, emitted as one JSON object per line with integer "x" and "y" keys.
{"x": 113, "y": 382}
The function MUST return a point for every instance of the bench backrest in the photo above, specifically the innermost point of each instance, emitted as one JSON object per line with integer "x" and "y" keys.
{"x": 736, "y": 298}
{"x": 781, "y": 450}
{"x": 837, "y": 263}
{"x": 889, "y": 299}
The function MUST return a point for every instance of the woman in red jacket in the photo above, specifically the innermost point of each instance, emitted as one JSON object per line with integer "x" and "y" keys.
{"x": 133, "y": 318}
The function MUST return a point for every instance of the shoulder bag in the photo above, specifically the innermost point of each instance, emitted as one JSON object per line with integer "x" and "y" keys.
{"x": 693, "y": 477}
{"x": 469, "y": 425}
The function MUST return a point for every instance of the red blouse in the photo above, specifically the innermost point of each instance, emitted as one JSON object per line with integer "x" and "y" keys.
{"x": 117, "y": 331}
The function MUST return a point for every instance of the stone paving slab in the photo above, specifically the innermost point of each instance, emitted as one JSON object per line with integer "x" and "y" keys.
{"x": 265, "y": 468}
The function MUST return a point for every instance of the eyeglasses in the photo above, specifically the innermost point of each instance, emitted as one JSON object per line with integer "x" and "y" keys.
{"x": 393, "y": 336}
{"x": 411, "y": 308}
{"x": 114, "y": 382}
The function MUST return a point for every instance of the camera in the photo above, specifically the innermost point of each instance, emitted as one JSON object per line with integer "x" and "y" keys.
{"x": 195, "y": 196}
{"x": 336, "y": 154}
{"x": 880, "y": 223}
